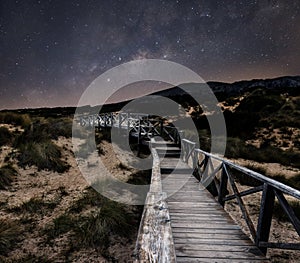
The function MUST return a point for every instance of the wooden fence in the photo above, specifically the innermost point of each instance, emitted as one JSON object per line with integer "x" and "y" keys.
{"x": 220, "y": 176}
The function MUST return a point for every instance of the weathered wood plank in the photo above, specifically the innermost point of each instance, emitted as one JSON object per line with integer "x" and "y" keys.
{"x": 207, "y": 231}
{"x": 204, "y": 225}
{"x": 219, "y": 260}
{"x": 219, "y": 247}
{"x": 218, "y": 254}
{"x": 210, "y": 236}
{"x": 212, "y": 242}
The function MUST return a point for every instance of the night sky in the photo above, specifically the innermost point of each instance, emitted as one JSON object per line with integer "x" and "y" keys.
{"x": 50, "y": 51}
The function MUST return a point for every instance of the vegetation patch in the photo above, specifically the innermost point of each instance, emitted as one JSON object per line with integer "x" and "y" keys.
{"x": 140, "y": 177}
{"x": 111, "y": 219}
{"x": 90, "y": 198}
{"x": 279, "y": 213}
{"x": 35, "y": 206}
{"x": 7, "y": 176}
{"x": 5, "y": 136}
{"x": 44, "y": 155}
{"x": 16, "y": 119}
{"x": 61, "y": 225}
{"x": 237, "y": 148}
{"x": 9, "y": 235}
{"x": 93, "y": 227}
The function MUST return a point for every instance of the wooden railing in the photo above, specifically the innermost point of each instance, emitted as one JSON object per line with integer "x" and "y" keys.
{"x": 220, "y": 176}
{"x": 141, "y": 125}
{"x": 155, "y": 241}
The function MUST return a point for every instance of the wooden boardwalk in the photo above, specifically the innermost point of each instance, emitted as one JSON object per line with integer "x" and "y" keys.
{"x": 202, "y": 231}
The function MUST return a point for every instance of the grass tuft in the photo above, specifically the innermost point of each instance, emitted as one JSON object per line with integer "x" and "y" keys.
{"x": 279, "y": 213}
{"x": 61, "y": 225}
{"x": 22, "y": 120}
{"x": 45, "y": 155}
{"x": 5, "y": 136}
{"x": 7, "y": 176}
{"x": 90, "y": 198}
{"x": 111, "y": 218}
{"x": 35, "y": 206}
{"x": 9, "y": 235}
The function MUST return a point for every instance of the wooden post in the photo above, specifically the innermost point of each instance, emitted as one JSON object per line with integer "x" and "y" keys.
{"x": 265, "y": 217}
{"x": 223, "y": 187}
{"x": 161, "y": 128}
{"x": 128, "y": 124}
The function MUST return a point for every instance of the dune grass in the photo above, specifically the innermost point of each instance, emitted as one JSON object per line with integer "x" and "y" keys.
{"x": 35, "y": 205}
{"x": 5, "y": 136}
{"x": 91, "y": 221}
{"x": 9, "y": 235}
{"x": 22, "y": 120}
{"x": 44, "y": 155}
{"x": 7, "y": 175}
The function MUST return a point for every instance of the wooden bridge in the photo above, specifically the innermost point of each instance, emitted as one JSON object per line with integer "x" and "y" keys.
{"x": 184, "y": 218}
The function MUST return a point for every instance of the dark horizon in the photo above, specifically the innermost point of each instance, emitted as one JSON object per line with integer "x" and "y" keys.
{"x": 149, "y": 93}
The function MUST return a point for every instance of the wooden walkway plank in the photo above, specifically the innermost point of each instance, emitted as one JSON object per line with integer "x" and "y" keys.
{"x": 202, "y": 230}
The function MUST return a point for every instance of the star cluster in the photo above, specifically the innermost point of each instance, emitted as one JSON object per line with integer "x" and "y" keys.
{"x": 50, "y": 50}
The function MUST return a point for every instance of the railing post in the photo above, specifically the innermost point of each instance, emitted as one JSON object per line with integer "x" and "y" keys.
{"x": 265, "y": 216}
{"x": 161, "y": 128}
{"x": 128, "y": 123}
{"x": 223, "y": 187}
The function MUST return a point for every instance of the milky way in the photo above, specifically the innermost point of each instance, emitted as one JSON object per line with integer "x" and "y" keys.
{"x": 51, "y": 50}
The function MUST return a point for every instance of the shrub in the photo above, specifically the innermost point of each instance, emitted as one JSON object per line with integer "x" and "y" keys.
{"x": 45, "y": 155}
{"x": 22, "y": 120}
{"x": 281, "y": 215}
{"x": 142, "y": 177}
{"x": 93, "y": 229}
{"x": 292, "y": 182}
{"x": 62, "y": 224}
{"x": 111, "y": 218}
{"x": 236, "y": 148}
{"x": 9, "y": 235}
{"x": 244, "y": 179}
{"x": 90, "y": 198}
{"x": 58, "y": 127}
{"x": 7, "y": 175}
{"x": 5, "y": 136}
{"x": 34, "y": 205}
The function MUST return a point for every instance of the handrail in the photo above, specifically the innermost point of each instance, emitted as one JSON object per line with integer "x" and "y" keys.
{"x": 155, "y": 240}
{"x": 280, "y": 186}
{"x": 143, "y": 125}
{"x": 202, "y": 163}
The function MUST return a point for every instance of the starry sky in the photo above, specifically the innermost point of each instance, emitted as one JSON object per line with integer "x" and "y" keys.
{"x": 51, "y": 50}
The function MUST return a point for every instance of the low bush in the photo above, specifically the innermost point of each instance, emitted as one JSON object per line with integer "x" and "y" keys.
{"x": 236, "y": 148}
{"x": 93, "y": 229}
{"x": 35, "y": 205}
{"x": 112, "y": 218}
{"x": 58, "y": 127}
{"x": 7, "y": 176}
{"x": 9, "y": 235}
{"x": 294, "y": 181}
{"x": 22, "y": 120}
{"x": 61, "y": 225}
{"x": 45, "y": 155}
{"x": 90, "y": 198}
{"x": 5, "y": 136}
{"x": 279, "y": 213}
{"x": 244, "y": 179}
